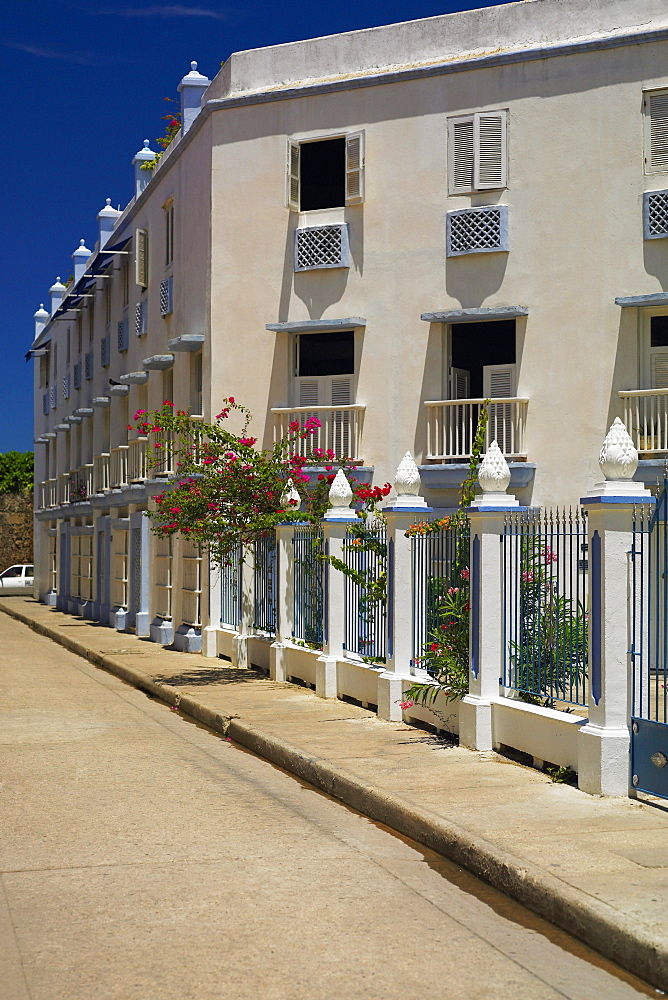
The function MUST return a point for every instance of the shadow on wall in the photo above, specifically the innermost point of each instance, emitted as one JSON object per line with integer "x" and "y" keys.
{"x": 16, "y": 529}
{"x": 473, "y": 278}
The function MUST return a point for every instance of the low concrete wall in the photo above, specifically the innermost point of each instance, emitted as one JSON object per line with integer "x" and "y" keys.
{"x": 16, "y": 529}
{"x": 542, "y": 732}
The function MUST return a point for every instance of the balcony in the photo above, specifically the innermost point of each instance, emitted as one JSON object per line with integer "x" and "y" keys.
{"x": 137, "y": 470}
{"x": 646, "y": 419}
{"x": 63, "y": 491}
{"x": 452, "y": 425}
{"x": 48, "y": 495}
{"x": 340, "y": 429}
{"x": 119, "y": 467}
{"x": 101, "y": 473}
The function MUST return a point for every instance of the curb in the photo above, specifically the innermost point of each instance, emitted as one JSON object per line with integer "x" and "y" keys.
{"x": 584, "y": 917}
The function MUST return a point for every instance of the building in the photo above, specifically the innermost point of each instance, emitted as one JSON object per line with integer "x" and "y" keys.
{"x": 388, "y": 225}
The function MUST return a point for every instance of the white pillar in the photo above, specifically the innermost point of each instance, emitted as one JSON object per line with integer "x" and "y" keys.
{"x": 334, "y": 527}
{"x": 604, "y": 741}
{"x": 404, "y": 510}
{"x": 486, "y": 600}
{"x": 285, "y": 605}
{"x": 247, "y": 583}
{"x": 212, "y": 627}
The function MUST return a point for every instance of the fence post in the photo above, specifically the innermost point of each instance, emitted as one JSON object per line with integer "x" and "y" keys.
{"x": 486, "y": 516}
{"x": 247, "y": 607}
{"x": 334, "y": 526}
{"x": 399, "y": 642}
{"x": 211, "y": 629}
{"x": 285, "y": 601}
{"x": 604, "y": 741}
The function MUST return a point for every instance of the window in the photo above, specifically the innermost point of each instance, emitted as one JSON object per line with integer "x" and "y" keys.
{"x": 196, "y": 400}
{"x": 141, "y": 259}
{"x": 67, "y": 359}
{"x": 141, "y": 313}
{"x": 477, "y": 152}
{"x": 79, "y": 334}
{"x": 325, "y": 365}
{"x": 91, "y": 321}
{"x": 107, "y": 307}
{"x": 658, "y": 352}
{"x": 655, "y": 107}
{"x": 169, "y": 233}
{"x": 325, "y": 173}
{"x": 125, "y": 276}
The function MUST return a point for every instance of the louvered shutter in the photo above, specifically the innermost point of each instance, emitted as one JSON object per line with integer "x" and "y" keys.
{"x": 490, "y": 147}
{"x": 309, "y": 392}
{"x": 656, "y": 108}
{"x": 141, "y": 257}
{"x": 341, "y": 391}
{"x": 461, "y": 153}
{"x": 498, "y": 382}
{"x": 292, "y": 184}
{"x": 659, "y": 369}
{"x": 341, "y": 395}
{"x": 354, "y": 168}
{"x": 460, "y": 383}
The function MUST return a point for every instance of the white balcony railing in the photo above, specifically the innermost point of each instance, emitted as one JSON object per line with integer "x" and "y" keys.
{"x": 452, "y": 425}
{"x": 64, "y": 487}
{"x": 119, "y": 466}
{"x": 49, "y": 493}
{"x": 646, "y": 419}
{"x": 101, "y": 473}
{"x": 164, "y": 454}
{"x": 340, "y": 429}
{"x": 137, "y": 460}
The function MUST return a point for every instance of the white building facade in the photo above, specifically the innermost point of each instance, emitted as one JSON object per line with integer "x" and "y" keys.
{"x": 384, "y": 228}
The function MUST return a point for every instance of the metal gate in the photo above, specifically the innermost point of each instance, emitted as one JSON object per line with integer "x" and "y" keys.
{"x": 649, "y": 648}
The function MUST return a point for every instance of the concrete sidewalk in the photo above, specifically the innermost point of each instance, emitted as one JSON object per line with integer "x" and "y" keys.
{"x": 596, "y": 867}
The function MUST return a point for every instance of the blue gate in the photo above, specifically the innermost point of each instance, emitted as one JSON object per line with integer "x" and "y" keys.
{"x": 649, "y": 649}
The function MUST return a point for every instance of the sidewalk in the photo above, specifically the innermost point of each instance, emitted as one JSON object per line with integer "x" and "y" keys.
{"x": 596, "y": 867}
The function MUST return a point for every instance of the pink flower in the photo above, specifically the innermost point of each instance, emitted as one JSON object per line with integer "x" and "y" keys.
{"x": 453, "y": 590}
{"x": 294, "y": 425}
{"x": 138, "y": 414}
{"x": 406, "y": 704}
{"x": 465, "y": 573}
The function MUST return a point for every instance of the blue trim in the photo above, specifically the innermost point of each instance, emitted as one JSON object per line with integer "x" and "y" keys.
{"x": 475, "y": 605}
{"x": 484, "y": 510}
{"x": 390, "y": 598}
{"x": 603, "y": 500}
{"x": 407, "y": 510}
{"x": 595, "y": 622}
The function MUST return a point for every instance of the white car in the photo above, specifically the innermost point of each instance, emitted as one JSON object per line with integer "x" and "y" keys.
{"x": 17, "y": 579}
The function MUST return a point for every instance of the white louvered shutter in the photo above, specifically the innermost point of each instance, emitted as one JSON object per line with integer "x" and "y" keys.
{"x": 656, "y": 108}
{"x": 499, "y": 382}
{"x": 309, "y": 392}
{"x": 490, "y": 147}
{"x": 141, "y": 258}
{"x": 460, "y": 383}
{"x": 659, "y": 369}
{"x": 354, "y": 168}
{"x": 461, "y": 153}
{"x": 293, "y": 182}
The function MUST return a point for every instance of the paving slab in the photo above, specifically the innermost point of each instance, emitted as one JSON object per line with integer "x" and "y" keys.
{"x": 596, "y": 867}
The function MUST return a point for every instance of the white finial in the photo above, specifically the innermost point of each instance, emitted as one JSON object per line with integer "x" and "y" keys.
{"x": 618, "y": 457}
{"x": 193, "y": 65}
{"x": 147, "y": 143}
{"x": 407, "y": 484}
{"x": 290, "y": 498}
{"x": 494, "y": 477}
{"x": 58, "y": 279}
{"x": 107, "y": 201}
{"x": 82, "y": 243}
{"x": 340, "y": 497}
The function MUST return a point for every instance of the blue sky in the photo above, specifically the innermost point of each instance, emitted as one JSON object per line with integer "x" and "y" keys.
{"x": 84, "y": 84}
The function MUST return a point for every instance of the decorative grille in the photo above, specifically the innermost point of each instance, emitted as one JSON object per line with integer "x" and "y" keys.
{"x": 123, "y": 334}
{"x": 655, "y": 212}
{"x": 140, "y": 318}
{"x": 321, "y": 246}
{"x": 89, "y": 365}
{"x": 136, "y": 570}
{"x": 77, "y": 375}
{"x": 477, "y": 230}
{"x": 165, "y": 296}
{"x": 45, "y": 403}
{"x": 66, "y": 386}
{"x": 53, "y": 397}
{"x": 105, "y": 351}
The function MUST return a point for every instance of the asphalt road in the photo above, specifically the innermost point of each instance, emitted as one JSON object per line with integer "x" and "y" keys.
{"x": 142, "y": 856}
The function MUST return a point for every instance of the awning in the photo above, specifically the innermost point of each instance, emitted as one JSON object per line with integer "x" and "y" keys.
{"x": 317, "y": 325}
{"x": 640, "y": 301}
{"x": 481, "y": 315}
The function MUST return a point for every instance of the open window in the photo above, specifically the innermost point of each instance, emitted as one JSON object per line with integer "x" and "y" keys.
{"x": 658, "y": 352}
{"x": 325, "y": 173}
{"x": 324, "y": 387}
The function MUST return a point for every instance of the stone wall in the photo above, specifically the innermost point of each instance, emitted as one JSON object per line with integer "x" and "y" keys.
{"x": 16, "y": 520}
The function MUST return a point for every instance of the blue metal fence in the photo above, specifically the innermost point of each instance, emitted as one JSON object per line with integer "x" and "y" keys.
{"x": 545, "y": 597}
{"x": 230, "y": 589}
{"x": 440, "y": 562}
{"x": 365, "y": 553}
{"x": 265, "y": 560}
{"x": 309, "y": 585}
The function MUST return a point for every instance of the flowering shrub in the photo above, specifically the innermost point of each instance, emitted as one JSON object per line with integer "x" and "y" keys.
{"x": 172, "y": 129}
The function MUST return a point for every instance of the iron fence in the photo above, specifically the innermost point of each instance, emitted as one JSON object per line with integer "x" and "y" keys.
{"x": 649, "y": 614}
{"x": 544, "y": 600}
{"x": 440, "y": 562}
{"x": 264, "y": 570}
{"x": 230, "y": 589}
{"x": 366, "y": 557}
{"x": 309, "y": 585}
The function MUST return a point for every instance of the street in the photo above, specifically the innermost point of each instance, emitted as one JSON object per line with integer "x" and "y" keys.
{"x": 143, "y": 856}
